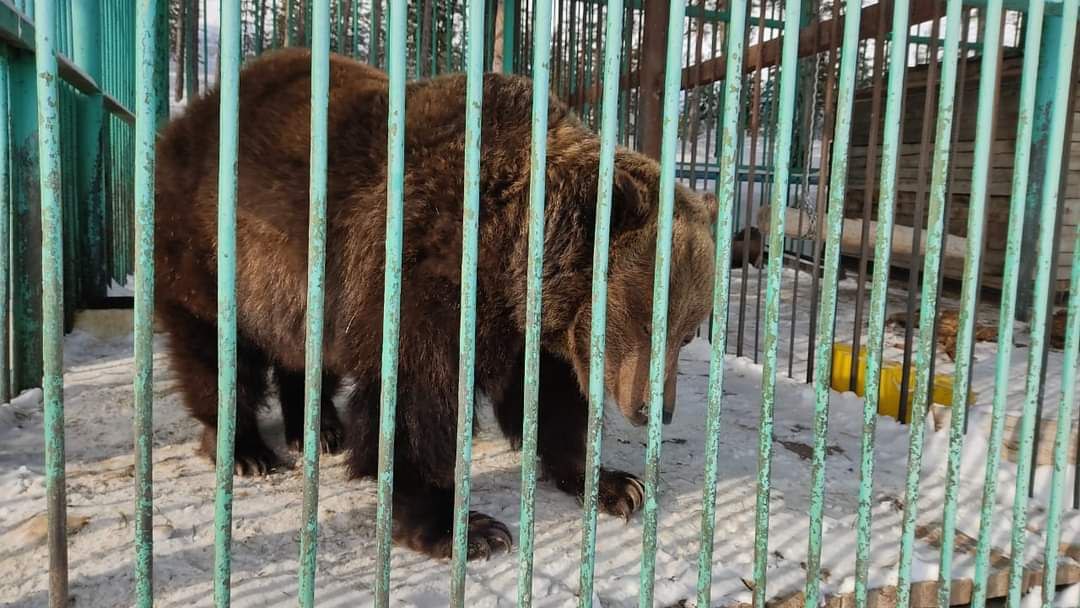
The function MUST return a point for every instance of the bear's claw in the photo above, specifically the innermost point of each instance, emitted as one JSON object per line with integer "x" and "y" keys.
{"x": 621, "y": 494}
{"x": 487, "y": 536}
{"x": 331, "y": 440}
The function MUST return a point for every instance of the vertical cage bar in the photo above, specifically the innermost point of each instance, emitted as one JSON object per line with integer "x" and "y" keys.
{"x": 609, "y": 110}
{"x": 1051, "y": 190}
{"x": 931, "y": 271}
{"x": 5, "y": 228}
{"x": 827, "y": 311}
{"x": 474, "y": 89}
{"x": 230, "y": 53}
{"x": 91, "y": 124}
{"x": 1064, "y": 427}
{"x": 781, "y": 158}
{"x": 1021, "y": 168}
{"x": 391, "y": 295}
{"x": 928, "y": 119}
{"x": 145, "y": 138}
{"x": 533, "y": 305}
{"x": 316, "y": 280}
{"x": 52, "y": 283}
{"x": 980, "y": 174}
{"x": 725, "y": 194}
{"x": 890, "y": 152}
{"x": 661, "y": 281}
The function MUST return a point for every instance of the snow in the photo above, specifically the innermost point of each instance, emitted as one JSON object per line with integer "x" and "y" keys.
{"x": 98, "y": 400}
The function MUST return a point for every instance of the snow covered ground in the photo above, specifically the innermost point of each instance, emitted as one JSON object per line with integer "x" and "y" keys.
{"x": 267, "y": 511}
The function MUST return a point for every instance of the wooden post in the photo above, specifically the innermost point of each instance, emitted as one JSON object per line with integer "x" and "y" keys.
{"x": 654, "y": 47}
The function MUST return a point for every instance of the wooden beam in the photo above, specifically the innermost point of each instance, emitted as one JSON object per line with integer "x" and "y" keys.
{"x": 813, "y": 39}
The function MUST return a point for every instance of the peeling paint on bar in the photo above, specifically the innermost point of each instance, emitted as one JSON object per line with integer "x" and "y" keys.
{"x": 52, "y": 283}
{"x": 827, "y": 310}
{"x": 474, "y": 90}
{"x": 226, "y": 294}
{"x": 533, "y": 305}
{"x": 1051, "y": 190}
{"x": 782, "y": 154}
{"x": 395, "y": 180}
{"x": 661, "y": 281}
{"x": 968, "y": 297}
{"x": 146, "y": 98}
{"x": 931, "y": 272}
{"x": 316, "y": 280}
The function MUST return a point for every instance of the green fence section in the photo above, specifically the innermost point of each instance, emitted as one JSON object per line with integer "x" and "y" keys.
{"x": 93, "y": 45}
{"x": 83, "y": 92}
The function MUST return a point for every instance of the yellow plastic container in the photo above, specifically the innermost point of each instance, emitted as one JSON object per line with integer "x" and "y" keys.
{"x": 892, "y": 374}
{"x": 841, "y": 369}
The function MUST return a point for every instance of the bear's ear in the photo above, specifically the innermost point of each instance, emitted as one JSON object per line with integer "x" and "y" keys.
{"x": 711, "y": 205}
{"x": 629, "y": 207}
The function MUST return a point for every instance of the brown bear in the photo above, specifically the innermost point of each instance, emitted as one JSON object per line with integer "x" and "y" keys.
{"x": 272, "y": 219}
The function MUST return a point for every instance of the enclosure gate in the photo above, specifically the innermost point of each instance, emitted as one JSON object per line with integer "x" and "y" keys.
{"x": 76, "y": 156}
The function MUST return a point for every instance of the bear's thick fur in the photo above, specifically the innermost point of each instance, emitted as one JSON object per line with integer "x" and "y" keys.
{"x": 272, "y": 220}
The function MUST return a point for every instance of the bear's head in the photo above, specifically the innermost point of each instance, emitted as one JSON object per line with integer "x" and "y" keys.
{"x": 631, "y": 271}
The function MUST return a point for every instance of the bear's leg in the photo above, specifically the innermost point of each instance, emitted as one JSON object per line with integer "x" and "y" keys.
{"x": 561, "y": 440}
{"x": 193, "y": 354}
{"x": 290, "y": 388}
{"x": 424, "y": 456}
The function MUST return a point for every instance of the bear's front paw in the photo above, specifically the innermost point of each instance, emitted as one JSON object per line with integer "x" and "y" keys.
{"x": 331, "y": 438}
{"x": 252, "y": 457}
{"x": 487, "y": 536}
{"x": 620, "y": 493}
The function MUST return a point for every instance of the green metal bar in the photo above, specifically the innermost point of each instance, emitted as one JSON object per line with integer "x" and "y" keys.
{"x": 316, "y": 280}
{"x": 827, "y": 309}
{"x": 661, "y": 281}
{"x": 1002, "y": 368}
{"x": 879, "y": 294}
{"x": 1051, "y": 190}
{"x": 52, "y": 282}
{"x": 91, "y": 122}
{"x": 231, "y": 53}
{"x": 931, "y": 272}
{"x": 25, "y": 226}
{"x": 145, "y": 136}
{"x": 534, "y": 277}
{"x": 510, "y": 20}
{"x": 5, "y": 227}
{"x": 609, "y": 110}
{"x": 782, "y": 154}
{"x": 984, "y": 138}
{"x": 392, "y": 292}
{"x": 1044, "y": 100}
{"x": 474, "y": 91}
{"x": 1065, "y": 409}
{"x": 725, "y": 194}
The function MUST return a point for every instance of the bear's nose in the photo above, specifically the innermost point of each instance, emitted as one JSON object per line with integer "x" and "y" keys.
{"x": 668, "y": 415}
